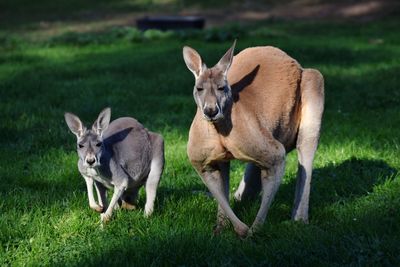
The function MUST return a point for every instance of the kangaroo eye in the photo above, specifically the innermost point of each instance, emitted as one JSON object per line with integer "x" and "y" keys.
{"x": 98, "y": 144}
{"x": 221, "y": 88}
{"x": 80, "y": 145}
{"x": 199, "y": 89}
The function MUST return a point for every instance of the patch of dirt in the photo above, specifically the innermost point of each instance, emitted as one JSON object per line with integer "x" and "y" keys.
{"x": 245, "y": 13}
{"x": 351, "y": 10}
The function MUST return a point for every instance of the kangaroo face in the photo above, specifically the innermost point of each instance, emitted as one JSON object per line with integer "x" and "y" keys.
{"x": 212, "y": 92}
{"x": 89, "y": 148}
{"x": 89, "y": 142}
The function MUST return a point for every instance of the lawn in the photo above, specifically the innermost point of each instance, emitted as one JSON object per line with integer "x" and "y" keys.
{"x": 355, "y": 198}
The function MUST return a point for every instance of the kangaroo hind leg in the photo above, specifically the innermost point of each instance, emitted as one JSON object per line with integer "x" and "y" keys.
{"x": 129, "y": 198}
{"x": 312, "y": 101}
{"x": 156, "y": 169}
{"x": 250, "y": 185}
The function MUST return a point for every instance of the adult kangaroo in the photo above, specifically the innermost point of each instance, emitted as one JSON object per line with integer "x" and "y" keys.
{"x": 256, "y": 107}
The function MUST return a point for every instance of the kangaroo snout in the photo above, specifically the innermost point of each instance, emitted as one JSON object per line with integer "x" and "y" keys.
{"x": 211, "y": 112}
{"x": 90, "y": 160}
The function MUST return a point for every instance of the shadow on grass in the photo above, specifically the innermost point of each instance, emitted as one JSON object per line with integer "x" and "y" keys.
{"x": 335, "y": 183}
{"x": 351, "y": 179}
{"x": 280, "y": 241}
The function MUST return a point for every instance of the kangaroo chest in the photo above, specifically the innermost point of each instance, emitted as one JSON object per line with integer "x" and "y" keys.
{"x": 220, "y": 149}
{"x": 95, "y": 174}
{"x": 207, "y": 146}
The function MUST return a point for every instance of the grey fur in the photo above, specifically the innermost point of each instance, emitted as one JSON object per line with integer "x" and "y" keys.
{"x": 121, "y": 155}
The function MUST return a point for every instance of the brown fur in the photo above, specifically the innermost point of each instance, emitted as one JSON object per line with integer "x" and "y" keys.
{"x": 272, "y": 99}
{"x": 270, "y": 104}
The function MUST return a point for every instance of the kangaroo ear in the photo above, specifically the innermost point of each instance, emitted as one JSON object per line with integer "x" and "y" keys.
{"x": 193, "y": 61}
{"x": 102, "y": 122}
{"x": 225, "y": 62}
{"x": 74, "y": 124}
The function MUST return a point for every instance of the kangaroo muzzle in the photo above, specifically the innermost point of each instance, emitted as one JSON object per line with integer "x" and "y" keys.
{"x": 90, "y": 160}
{"x": 212, "y": 112}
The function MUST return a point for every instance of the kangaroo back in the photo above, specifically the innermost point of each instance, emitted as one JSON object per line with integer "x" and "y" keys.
{"x": 129, "y": 145}
{"x": 266, "y": 82}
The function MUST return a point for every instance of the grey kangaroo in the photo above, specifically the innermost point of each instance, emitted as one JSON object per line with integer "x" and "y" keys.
{"x": 122, "y": 155}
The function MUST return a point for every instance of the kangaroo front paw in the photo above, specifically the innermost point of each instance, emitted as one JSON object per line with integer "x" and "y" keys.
{"x": 105, "y": 218}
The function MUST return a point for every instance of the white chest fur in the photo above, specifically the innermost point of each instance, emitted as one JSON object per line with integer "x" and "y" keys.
{"x": 95, "y": 175}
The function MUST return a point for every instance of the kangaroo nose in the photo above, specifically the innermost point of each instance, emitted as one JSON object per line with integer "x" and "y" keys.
{"x": 211, "y": 112}
{"x": 90, "y": 161}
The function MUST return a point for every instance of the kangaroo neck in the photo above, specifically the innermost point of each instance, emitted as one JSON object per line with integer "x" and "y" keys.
{"x": 107, "y": 162}
{"x": 224, "y": 126}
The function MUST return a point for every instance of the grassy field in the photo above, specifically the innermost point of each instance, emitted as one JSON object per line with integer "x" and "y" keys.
{"x": 355, "y": 198}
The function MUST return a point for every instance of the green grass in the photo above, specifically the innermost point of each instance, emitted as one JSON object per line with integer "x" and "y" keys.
{"x": 355, "y": 198}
